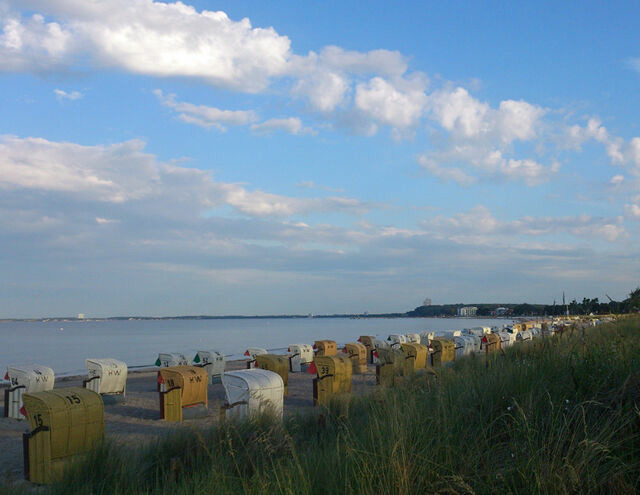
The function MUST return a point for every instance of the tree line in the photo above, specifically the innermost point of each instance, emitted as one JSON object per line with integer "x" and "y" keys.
{"x": 586, "y": 307}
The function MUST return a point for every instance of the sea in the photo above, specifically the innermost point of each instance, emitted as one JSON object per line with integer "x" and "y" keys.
{"x": 64, "y": 345}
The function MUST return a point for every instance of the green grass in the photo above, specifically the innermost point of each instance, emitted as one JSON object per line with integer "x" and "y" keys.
{"x": 556, "y": 415}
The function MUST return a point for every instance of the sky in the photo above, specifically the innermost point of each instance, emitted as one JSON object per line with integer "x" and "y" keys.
{"x": 252, "y": 157}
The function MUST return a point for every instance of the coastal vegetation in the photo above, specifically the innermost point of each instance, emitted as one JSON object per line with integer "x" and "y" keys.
{"x": 553, "y": 415}
{"x": 588, "y": 306}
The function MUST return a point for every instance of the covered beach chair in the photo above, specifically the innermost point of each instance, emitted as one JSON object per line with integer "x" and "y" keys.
{"x": 185, "y": 392}
{"x": 252, "y": 391}
{"x": 214, "y": 362}
{"x": 300, "y": 356}
{"x": 333, "y": 377}
{"x": 24, "y": 378}
{"x": 251, "y": 354}
{"x": 107, "y": 377}
{"x": 358, "y": 354}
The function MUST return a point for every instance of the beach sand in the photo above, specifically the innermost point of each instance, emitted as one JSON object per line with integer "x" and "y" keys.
{"x": 138, "y": 420}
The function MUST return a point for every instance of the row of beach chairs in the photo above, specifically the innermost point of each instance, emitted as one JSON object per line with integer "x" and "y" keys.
{"x": 68, "y": 421}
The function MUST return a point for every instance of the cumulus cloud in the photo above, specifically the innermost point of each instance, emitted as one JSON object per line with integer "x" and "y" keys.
{"x": 518, "y": 120}
{"x": 490, "y": 162}
{"x": 458, "y": 111}
{"x": 205, "y": 116}
{"x": 530, "y": 171}
{"x": 577, "y": 135}
{"x": 325, "y": 90}
{"x": 153, "y": 38}
{"x": 481, "y": 137}
{"x": 390, "y": 105}
{"x": 620, "y": 152}
{"x": 470, "y": 119}
{"x": 292, "y": 125}
{"x": 325, "y": 78}
{"x": 63, "y": 95}
{"x": 33, "y": 44}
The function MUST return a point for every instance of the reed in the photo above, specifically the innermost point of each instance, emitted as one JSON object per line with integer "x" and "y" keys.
{"x": 555, "y": 415}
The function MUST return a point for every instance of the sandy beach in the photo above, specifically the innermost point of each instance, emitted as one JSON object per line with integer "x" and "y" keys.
{"x": 138, "y": 419}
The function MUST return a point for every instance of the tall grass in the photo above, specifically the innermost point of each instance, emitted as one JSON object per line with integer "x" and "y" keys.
{"x": 555, "y": 415}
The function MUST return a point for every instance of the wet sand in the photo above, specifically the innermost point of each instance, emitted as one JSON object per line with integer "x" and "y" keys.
{"x": 138, "y": 419}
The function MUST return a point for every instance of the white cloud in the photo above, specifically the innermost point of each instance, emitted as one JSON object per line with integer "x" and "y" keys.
{"x": 577, "y": 135}
{"x": 390, "y": 105}
{"x": 477, "y": 220}
{"x": 259, "y": 203}
{"x": 292, "y": 125}
{"x": 390, "y": 63}
{"x": 63, "y": 95}
{"x": 632, "y": 210}
{"x": 490, "y": 162}
{"x": 620, "y": 152}
{"x": 518, "y": 120}
{"x": 161, "y": 39}
{"x": 205, "y": 116}
{"x": 325, "y": 79}
{"x": 469, "y": 119}
{"x": 481, "y": 137}
{"x": 445, "y": 173}
{"x": 324, "y": 89}
{"x": 33, "y": 44}
{"x": 123, "y": 173}
{"x": 634, "y": 153}
{"x": 617, "y": 179}
{"x": 459, "y": 112}
{"x": 105, "y": 221}
{"x": 530, "y": 171}
{"x": 95, "y": 172}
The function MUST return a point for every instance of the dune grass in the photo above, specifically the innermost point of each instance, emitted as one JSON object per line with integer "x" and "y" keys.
{"x": 555, "y": 415}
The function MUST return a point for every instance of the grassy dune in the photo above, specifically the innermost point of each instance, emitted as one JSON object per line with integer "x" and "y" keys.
{"x": 556, "y": 415}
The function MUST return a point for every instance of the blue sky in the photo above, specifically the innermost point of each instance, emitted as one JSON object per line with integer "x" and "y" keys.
{"x": 258, "y": 158}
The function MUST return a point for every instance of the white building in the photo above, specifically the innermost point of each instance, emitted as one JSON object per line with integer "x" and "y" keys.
{"x": 427, "y": 302}
{"x": 467, "y": 311}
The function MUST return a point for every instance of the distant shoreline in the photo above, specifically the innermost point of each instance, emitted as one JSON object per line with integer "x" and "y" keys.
{"x": 237, "y": 317}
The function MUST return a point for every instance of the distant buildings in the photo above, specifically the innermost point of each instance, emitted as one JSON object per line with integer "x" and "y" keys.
{"x": 427, "y": 302}
{"x": 466, "y": 311}
{"x": 80, "y": 316}
{"x": 501, "y": 311}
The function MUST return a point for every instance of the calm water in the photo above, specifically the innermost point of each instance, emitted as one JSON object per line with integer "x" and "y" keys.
{"x": 64, "y": 346}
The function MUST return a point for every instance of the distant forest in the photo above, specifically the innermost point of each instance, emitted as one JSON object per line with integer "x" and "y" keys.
{"x": 586, "y": 307}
